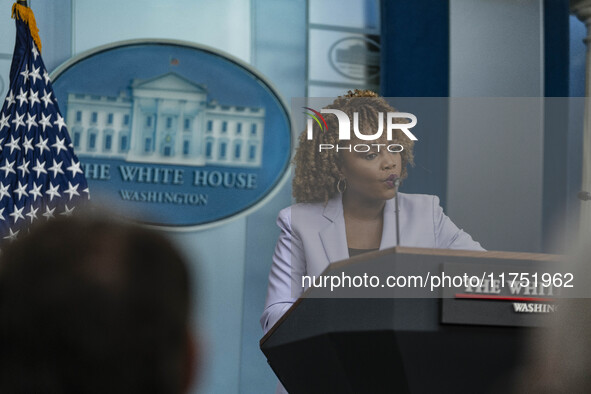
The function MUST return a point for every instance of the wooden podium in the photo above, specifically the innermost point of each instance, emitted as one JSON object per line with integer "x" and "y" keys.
{"x": 459, "y": 340}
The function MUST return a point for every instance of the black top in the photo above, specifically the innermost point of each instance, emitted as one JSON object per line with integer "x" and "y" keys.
{"x": 356, "y": 252}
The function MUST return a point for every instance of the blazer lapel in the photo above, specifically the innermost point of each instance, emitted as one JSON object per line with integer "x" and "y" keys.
{"x": 334, "y": 236}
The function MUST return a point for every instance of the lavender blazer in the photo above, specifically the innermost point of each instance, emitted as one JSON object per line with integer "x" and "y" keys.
{"x": 313, "y": 236}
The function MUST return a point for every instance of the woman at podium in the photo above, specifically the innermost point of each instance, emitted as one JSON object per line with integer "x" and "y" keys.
{"x": 345, "y": 200}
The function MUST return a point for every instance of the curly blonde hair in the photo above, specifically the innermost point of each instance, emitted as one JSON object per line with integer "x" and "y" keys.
{"x": 317, "y": 173}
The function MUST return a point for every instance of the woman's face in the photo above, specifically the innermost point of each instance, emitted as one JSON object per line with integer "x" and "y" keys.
{"x": 369, "y": 174}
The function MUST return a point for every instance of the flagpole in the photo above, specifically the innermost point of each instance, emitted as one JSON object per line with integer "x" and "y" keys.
{"x": 23, "y": 3}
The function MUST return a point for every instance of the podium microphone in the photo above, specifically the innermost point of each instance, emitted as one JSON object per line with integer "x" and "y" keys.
{"x": 396, "y": 184}
{"x": 584, "y": 196}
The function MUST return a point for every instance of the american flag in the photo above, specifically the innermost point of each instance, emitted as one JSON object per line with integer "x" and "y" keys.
{"x": 40, "y": 176}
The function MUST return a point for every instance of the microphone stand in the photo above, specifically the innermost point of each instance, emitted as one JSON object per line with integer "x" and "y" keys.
{"x": 396, "y": 184}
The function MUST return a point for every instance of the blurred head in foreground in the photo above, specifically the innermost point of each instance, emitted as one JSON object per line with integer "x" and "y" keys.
{"x": 558, "y": 358}
{"x": 89, "y": 305}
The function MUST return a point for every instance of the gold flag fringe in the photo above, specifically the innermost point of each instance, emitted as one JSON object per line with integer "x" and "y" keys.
{"x": 26, "y": 15}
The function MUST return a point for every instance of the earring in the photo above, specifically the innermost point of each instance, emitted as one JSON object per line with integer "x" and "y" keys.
{"x": 340, "y": 187}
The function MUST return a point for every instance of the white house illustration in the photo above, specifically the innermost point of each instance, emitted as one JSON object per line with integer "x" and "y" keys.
{"x": 169, "y": 120}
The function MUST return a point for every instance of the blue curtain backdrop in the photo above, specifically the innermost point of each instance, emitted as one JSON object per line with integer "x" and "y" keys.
{"x": 415, "y": 63}
{"x": 556, "y": 134}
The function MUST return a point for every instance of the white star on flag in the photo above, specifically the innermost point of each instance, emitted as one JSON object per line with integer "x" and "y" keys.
{"x": 20, "y": 190}
{"x": 4, "y": 191}
{"x": 17, "y": 214}
{"x": 33, "y": 97}
{"x": 7, "y": 168}
{"x": 35, "y": 191}
{"x": 53, "y": 191}
{"x": 45, "y": 121}
{"x": 24, "y": 167}
{"x": 25, "y": 73}
{"x": 32, "y": 213}
{"x": 10, "y": 99}
{"x": 72, "y": 190}
{"x": 12, "y": 235}
{"x": 31, "y": 121}
{"x": 18, "y": 121}
{"x": 56, "y": 168}
{"x": 40, "y": 168}
{"x": 22, "y": 97}
{"x": 27, "y": 144}
{"x": 49, "y": 212}
{"x": 4, "y": 121}
{"x": 35, "y": 74}
{"x": 59, "y": 145}
{"x": 60, "y": 122}
{"x": 75, "y": 169}
{"x": 67, "y": 211}
{"x": 42, "y": 145}
{"x": 13, "y": 144}
{"x": 46, "y": 99}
